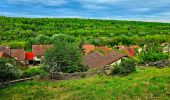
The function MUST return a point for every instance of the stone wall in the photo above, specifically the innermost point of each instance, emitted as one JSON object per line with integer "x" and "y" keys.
{"x": 78, "y": 75}
{"x": 159, "y": 64}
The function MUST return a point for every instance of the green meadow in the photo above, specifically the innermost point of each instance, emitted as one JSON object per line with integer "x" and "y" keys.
{"x": 145, "y": 83}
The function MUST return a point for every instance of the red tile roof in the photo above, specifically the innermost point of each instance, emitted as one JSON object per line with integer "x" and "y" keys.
{"x": 87, "y": 48}
{"x": 29, "y": 55}
{"x": 4, "y": 55}
{"x": 5, "y": 49}
{"x": 39, "y": 50}
{"x": 129, "y": 51}
{"x": 95, "y": 59}
{"x": 104, "y": 49}
{"x": 18, "y": 54}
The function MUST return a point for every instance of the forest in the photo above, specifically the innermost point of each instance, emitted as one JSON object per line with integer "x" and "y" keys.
{"x": 20, "y": 32}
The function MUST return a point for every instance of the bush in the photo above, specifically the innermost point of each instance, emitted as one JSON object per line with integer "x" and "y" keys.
{"x": 152, "y": 53}
{"x": 63, "y": 57}
{"x": 9, "y": 70}
{"x": 33, "y": 71}
{"x": 126, "y": 67}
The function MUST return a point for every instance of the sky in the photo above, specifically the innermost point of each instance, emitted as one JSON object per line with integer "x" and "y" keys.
{"x": 142, "y": 10}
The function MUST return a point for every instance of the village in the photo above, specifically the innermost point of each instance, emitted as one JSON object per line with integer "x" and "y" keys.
{"x": 93, "y": 56}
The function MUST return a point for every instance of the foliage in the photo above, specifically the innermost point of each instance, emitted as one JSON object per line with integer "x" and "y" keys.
{"x": 63, "y": 57}
{"x": 33, "y": 71}
{"x": 145, "y": 83}
{"x": 17, "y": 44}
{"x": 115, "y": 32}
{"x": 62, "y": 38}
{"x": 9, "y": 70}
{"x": 126, "y": 67}
{"x": 41, "y": 39}
{"x": 153, "y": 52}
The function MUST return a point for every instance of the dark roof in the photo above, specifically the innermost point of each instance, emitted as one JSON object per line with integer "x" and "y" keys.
{"x": 39, "y": 50}
{"x": 95, "y": 59}
{"x": 5, "y": 49}
{"x": 18, "y": 54}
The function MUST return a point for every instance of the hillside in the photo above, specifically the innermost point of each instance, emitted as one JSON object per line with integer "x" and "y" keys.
{"x": 21, "y": 30}
{"x": 146, "y": 83}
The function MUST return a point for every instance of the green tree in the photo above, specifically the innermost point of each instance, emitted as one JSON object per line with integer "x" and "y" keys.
{"x": 62, "y": 37}
{"x": 63, "y": 57}
{"x": 9, "y": 70}
{"x": 41, "y": 39}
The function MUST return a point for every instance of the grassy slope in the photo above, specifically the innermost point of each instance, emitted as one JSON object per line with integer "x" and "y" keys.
{"x": 147, "y": 83}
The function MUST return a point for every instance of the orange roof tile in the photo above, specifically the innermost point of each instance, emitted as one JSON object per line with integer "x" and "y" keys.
{"x": 104, "y": 49}
{"x": 88, "y": 48}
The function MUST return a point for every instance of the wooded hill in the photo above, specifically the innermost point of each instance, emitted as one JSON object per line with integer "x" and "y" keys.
{"x": 113, "y": 32}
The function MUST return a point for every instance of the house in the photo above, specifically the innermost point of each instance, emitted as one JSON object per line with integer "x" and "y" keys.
{"x": 4, "y": 55}
{"x": 96, "y": 59}
{"x": 103, "y": 49}
{"x": 87, "y": 48}
{"x": 137, "y": 47}
{"x": 129, "y": 51}
{"x": 5, "y": 49}
{"x": 119, "y": 47}
{"x": 29, "y": 58}
{"x": 18, "y": 54}
{"x": 39, "y": 50}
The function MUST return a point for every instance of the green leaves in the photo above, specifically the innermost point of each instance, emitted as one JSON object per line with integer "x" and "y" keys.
{"x": 63, "y": 57}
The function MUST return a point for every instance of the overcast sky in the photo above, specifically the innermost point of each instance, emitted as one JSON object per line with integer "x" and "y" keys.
{"x": 144, "y": 10}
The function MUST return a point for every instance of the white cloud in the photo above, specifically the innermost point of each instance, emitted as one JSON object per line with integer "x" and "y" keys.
{"x": 98, "y": 4}
{"x": 44, "y": 2}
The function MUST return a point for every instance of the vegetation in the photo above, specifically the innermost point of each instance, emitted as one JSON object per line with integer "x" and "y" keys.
{"x": 9, "y": 70}
{"x": 152, "y": 53}
{"x": 33, "y": 71}
{"x": 150, "y": 83}
{"x": 126, "y": 67}
{"x": 20, "y": 31}
{"x": 63, "y": 57}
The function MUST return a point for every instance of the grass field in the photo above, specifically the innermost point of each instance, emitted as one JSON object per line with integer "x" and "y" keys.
{"x": 146, "y": 83}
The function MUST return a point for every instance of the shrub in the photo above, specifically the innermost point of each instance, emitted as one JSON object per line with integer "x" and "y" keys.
{"x": 9, "y": 70}
{"x": 63, "y": 57}
{"x": 126, "y": 67}
{"x": 152, "y": 53}
{"x": 33, "y": 71}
